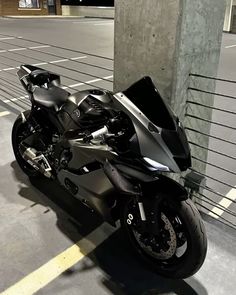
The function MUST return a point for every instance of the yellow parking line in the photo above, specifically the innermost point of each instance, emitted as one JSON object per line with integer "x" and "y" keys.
{"x": 56, "y": 266}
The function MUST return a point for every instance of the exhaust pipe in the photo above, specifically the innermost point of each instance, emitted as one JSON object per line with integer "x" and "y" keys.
{"x": 36, "y": 160}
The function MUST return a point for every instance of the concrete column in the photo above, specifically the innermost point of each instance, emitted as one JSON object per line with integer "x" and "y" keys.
{"x": 228, "y": 15}
{"x": 168, "y": 40}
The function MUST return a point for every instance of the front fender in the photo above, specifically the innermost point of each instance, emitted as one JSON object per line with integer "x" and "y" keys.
{"x": 166, "y": 187}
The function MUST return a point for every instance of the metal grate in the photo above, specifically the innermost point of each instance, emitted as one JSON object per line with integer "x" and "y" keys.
{"x": 218, "y": 195}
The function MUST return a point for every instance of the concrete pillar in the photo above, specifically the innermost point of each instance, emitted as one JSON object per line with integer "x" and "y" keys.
{"x": 228, "y": 15}
{"x": 168, "y": 40}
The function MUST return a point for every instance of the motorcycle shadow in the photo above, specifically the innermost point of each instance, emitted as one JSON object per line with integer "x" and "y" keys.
{"x": 123, "y": 272}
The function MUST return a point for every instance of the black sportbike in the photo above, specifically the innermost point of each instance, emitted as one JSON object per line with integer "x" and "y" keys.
{"x": 113, "y": 152}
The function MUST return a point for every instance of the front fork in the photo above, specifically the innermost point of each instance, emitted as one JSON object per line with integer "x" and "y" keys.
{"x": 149, "y": 214}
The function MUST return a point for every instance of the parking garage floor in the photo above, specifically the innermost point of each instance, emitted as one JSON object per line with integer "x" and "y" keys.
{"x": 51, "y": 244}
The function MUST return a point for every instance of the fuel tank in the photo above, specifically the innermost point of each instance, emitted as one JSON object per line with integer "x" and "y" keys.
{"x": 103, "y": 96}
{"x": 88, "y": 109}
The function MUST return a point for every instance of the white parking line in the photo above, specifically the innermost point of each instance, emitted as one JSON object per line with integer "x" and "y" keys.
{"x": 17, "y": 49}
{"x": 49, "y": 62}
{"x": 230, "y": 46}
{"x": 8, "y": 69}
{"x": 80, "y": 57}
{"x": 15, "y": 99}
{"x": 84, "y": 83}
{"x": 105, "y": 24}
{"x": 8, "y": 38}
{"x": 225, "y": 203}
{"x": 4, "y": 113}
{"x": 59, "y": 60}
{"x": 42, "y": 46}
{"x": 23, "y": 48}
{"x": 40, "y": 64}
{"x": 89, "y": 22}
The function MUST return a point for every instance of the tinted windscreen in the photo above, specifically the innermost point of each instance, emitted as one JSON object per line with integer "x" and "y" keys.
{"x": 147, "y": 98}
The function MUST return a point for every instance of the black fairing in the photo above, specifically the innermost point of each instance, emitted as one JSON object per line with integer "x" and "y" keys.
{"x": 148, "y": 99}
{"x": 177, "y": 142}
{"x": 167, "y": 187}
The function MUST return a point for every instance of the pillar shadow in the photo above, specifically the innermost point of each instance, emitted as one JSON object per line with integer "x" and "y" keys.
{"x": 123, "y": 272}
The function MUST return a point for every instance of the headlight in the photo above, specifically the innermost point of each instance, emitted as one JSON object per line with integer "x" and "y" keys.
{"x": 156, "y": 166}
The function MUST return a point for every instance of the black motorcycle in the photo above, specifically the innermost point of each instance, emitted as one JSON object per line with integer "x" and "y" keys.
{"x": 113, "y": 152}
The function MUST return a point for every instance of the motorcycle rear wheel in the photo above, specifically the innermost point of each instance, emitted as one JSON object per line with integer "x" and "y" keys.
{"x": 19, "y": 133}
{"x": 186, "y": 233}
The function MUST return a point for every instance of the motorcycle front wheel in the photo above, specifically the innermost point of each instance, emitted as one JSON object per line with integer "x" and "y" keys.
{"x": 179, "y": 249}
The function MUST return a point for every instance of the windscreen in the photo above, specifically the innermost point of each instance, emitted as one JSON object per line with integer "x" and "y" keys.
{"x": 147, "y": 98}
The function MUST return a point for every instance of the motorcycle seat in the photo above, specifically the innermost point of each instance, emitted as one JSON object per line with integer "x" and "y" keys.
{"x": 50, "y": 97}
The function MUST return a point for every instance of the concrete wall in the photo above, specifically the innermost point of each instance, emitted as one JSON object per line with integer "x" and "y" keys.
{"x": 106, "y": 12}
{"x": 198, "y": 51}
{"x": 145, "y": 37}
{"x": 233, "y": 24}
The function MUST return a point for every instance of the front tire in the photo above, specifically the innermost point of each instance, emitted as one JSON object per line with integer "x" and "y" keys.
{"x": 185, "y": 220}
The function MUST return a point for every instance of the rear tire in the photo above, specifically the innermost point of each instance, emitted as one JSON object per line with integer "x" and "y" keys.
{"x": 19, "y": 131}
{"x": 196, "y": 249}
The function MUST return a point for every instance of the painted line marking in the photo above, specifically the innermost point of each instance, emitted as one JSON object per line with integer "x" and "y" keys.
{"x": 59, "y": 60}
{"x": 89, "y": 22}
{"x": 80, "y": 57}
{"x": 225, "y": 203}
{"x": 105, "y": 24}
{"x": 8, "y": 38}
{"x": 17, "y": 49}
{"x": 40, "y": 64}
{"x": 45, "y": 274}
{"x": 84, "y": 83}
{"x": 47, "y": 63}
{"x": 42, "y": 46}
{"x": 8, "y": 69}
{"x": 15, "y": 99}
{"x": 230, "y": 46}
{"x": 5, "y": 113}
{"x": 23, "y": 48}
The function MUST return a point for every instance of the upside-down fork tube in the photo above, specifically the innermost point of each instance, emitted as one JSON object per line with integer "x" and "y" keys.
{"x": 120, "y": 182}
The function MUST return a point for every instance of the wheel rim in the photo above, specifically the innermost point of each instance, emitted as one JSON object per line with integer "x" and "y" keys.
{"x": 154, "y": 243}
{"x": 167, "y": 248}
